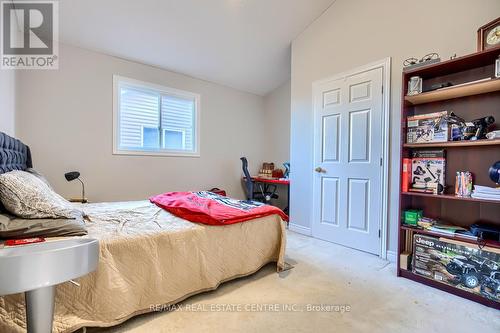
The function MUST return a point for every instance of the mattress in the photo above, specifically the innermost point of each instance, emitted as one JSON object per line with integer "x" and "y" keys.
{"x": 150, "y": 258}
{"x": 12, "y": 227}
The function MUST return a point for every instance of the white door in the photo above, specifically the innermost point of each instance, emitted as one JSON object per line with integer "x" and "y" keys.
{"x": 348, "y": 150}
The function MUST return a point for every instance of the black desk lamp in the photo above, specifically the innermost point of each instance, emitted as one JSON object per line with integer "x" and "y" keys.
{"x": 70, "y": 176}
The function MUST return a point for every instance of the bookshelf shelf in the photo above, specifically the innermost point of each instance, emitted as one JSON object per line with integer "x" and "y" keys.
{"x": 459, "y": 292}
{"x": 482, "y": 99}
{"x": 448, "y": 197}
{"x": 458, "y": 238}
{"x": 452, "y": 144}
{"x": 471, "y": 89}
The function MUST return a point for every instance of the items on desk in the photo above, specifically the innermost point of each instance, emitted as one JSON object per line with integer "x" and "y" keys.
{"x": 286, "y": 175}
{"x": 463, "y": 184}
{"x": 277, "y": 173}
{"x": 266, "y": 170}
{"x": 261, "y": 193}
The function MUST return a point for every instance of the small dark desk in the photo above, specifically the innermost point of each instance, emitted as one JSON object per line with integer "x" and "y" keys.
{"x": 275, "y": 181}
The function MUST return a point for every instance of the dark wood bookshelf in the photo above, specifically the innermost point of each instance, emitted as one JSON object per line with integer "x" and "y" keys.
{"x": 452, "y": 144}
{"x": 450, "y": 289}
{"x": 422, "y": 231}
{"x": 449, "y": 197}
{"x": 463, "y": 90}
{"x": 470, "y": 99}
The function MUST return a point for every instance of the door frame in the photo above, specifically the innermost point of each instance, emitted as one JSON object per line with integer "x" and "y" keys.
{"x": 385, "y": 64}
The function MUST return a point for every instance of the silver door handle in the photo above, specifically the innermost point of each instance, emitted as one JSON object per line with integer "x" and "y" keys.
{"x": 320, "y": 170}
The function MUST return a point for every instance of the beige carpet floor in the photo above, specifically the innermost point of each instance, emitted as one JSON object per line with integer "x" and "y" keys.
{"x": 326, "y": 274}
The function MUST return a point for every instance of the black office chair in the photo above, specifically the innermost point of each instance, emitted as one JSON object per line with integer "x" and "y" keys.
{"x": 264, "y": 194}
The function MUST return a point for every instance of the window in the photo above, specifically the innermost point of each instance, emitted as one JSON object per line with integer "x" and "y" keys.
{"x": 174, "y": 139}
{"x": 154, "y": 120}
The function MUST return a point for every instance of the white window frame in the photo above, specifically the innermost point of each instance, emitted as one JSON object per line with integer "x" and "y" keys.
{"x": 170, "y": 129}
{"x": 142, "y": 132}
{"x": 117, "y": 79}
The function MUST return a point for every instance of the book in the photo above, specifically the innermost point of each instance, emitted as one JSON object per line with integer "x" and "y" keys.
{"x": 406, "y": 177}
{"x": 425, "y": 222}
{"x": 485, "y": 192}
{"x": 485, "y": 196}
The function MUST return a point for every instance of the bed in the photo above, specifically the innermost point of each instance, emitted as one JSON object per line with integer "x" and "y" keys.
{"x": 149, "y": 259}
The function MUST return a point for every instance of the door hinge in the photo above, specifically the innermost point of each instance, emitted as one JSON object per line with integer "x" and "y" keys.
{"x": 382, "y": 90}
{"x": 381, "y": 161}
{"x": 379, "y": 233}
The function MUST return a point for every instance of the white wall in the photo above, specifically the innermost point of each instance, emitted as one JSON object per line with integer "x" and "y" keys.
{"x": 352, "y": 33}
{"x": 65, "y": 116}
{"x": 276, "y": 131}
{"x": 277, "y": 124}
{"x": 7, "y": 101}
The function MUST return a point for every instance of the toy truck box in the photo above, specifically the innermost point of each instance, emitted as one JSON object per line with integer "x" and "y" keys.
{"x": 458, "y": 264}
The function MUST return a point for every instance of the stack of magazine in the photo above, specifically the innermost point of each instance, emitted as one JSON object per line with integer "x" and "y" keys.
{"x": 451, "y": 230}
{"x": 444, "y": 228}
{"x": 486, "y": 193}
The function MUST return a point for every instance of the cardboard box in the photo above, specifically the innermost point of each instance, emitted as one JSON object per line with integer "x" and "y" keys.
{"x": 405, "y": 260}
{"x": 461, "y": 265}
{"x": 428, "y": 171}
{"x": 427, "y": 128}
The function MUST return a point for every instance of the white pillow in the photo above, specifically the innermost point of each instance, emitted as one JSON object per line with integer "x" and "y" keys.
{"x": 25, "y": 195}
{"x": 39, "y": 176}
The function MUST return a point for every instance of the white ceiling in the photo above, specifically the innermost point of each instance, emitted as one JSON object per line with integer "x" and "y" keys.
{"x": 244, "y": 44}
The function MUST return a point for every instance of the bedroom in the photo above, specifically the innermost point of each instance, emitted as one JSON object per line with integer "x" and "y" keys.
{"x": 249, "y": 73}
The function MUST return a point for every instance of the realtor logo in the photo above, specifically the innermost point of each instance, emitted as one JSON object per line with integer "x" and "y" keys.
{"x": 29, "y": 34}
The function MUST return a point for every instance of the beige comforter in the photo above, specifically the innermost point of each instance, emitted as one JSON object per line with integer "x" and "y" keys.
{"x": 149, "y": 257}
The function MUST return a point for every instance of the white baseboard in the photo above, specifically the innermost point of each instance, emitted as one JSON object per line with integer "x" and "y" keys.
{"x": 391, "y": 256}
{"x": 300, "y": 229}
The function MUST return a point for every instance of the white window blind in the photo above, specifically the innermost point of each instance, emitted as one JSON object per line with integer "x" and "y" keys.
{"x": 153, "y": 119}
{"x": 177, "y": 117}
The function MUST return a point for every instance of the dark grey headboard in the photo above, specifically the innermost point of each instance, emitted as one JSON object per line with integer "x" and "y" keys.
{"x": 14, "y": 155}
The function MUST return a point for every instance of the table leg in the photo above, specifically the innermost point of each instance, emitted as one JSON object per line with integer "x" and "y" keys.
{"x": 287, "y": 209}
{"x": 40, "y": 309}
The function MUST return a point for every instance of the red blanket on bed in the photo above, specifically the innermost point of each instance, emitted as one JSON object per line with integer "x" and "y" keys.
{"x": 213, "y": 209}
